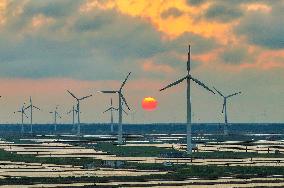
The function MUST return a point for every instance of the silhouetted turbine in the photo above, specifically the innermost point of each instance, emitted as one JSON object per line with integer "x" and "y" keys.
{"x": 78, "y": 109}
{"x": 224, "y": 109}
{"x": 121, "y": 99}
{"x": 31, "y": 106}
{"x": 188, "y": 78}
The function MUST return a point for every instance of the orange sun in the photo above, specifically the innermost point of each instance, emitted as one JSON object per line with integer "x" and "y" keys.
{"x": 149, "y": 103}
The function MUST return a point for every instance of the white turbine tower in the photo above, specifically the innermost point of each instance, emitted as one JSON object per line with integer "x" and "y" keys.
{"x": 31, "y": 106}
{"x": 224, "y": 109}
{"x": 188, "y": 78}
{"x": 22, "y": 111}
{"x": 55, "y": 114}
{"x": 78, "y": 109}
{"x": 121, "y": 99}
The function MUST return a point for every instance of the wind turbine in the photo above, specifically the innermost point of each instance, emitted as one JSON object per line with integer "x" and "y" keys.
{"x": 121, "y": 99}
{"x": 55, "y": 113}
{"x": 31, "y": 106}
{"x": 73, "y": 114}
{"x": 188, "y": 78}
{"x": 78, "y": 109}
{"x": 111, "y": 109}
{"x": 224, "y": 109}
{"x": 22, "y": 111}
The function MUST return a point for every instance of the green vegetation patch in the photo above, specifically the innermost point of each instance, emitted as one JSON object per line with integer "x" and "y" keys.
{"x": 14, "y": 157}
{"x": 133, "y": 151}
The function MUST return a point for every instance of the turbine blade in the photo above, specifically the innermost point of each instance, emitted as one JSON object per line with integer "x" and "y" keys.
{"x": 219, "y": 92}
{"x": 36, "y": 107}
{"x": 124, "y": 111}
{"x": 123, "y": 83}
{"x": 174, "y": 83}
{"x": 234, "y": 94}
{"x": 85, "y": 97}
{"x": 124, "y": 100}
{"x": 72, "y": 94}
{"x": 27, "y": 107}
{"x": 110, "y": 101}
{"x": 223, "y": 107}
{"x": 108, "y": 91}
{"x": 25, "y": 115}
{"x": 106, "y": 110}
{"x": 201, "y": 84}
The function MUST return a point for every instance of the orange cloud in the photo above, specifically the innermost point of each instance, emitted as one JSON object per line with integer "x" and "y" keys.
{"x": 257, "y": 7}
{"x": 3, "y": 7}
{"x": 41, "y": 20}
{"x": 171, "y": 26}
{"x": 150, "y": 66}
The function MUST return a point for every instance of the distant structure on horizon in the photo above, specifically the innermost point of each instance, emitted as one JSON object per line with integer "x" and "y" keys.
{"x": 22, "y": 111}
{"x": 73, "y": 111}
{"x": 224, "y": 109}
{"x": 111, "y": 109}
{"x": 55, "y": 115}
{"x": 31, "y": 106}
{"x": 78, "y": 109}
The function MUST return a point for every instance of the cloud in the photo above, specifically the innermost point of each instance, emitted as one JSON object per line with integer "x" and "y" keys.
{"x": 223, "y": 12}
{"x": 234, "y": 55}
{"x": 150, "y": 66}
{"x": 263, "y": 28}
{"x": 77, "y": 44}
{"x": 50, "y": 8}
{"x": 195, "y": 2}
{"x": 172, "y": 12}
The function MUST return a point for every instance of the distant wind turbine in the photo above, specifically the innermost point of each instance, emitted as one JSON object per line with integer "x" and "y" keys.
{"x": 31, "y": 106}
{"x": 78, "y": 109}
{"x": 73, "y": 114}
{"x": 188, "y": 78}
{"x": 111, "y": 109}
{"x": 55, "y": 114}
{"x": 22, "y": 111}
{"x": 224, "y": 109}
{"x": 121, "y": 99}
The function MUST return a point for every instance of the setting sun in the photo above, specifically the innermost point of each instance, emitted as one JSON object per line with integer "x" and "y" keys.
{"x": 149, "y": 103}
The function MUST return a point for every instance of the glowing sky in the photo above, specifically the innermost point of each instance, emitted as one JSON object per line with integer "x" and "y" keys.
{"x": 49, "y": 46}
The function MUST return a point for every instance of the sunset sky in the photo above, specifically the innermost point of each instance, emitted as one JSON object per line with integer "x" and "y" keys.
{"x": 49, "y": 46}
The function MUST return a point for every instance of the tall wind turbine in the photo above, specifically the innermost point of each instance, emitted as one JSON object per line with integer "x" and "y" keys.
{"x": 188, "y": 78}
{"x": 31, "y": 106}
{"x": 22, "y": 111}
{"x": 121, "y": 99}
{"x": 224, "y": 109}
{"x": 55, "y": 114}
{"x": 78, "y": 109}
